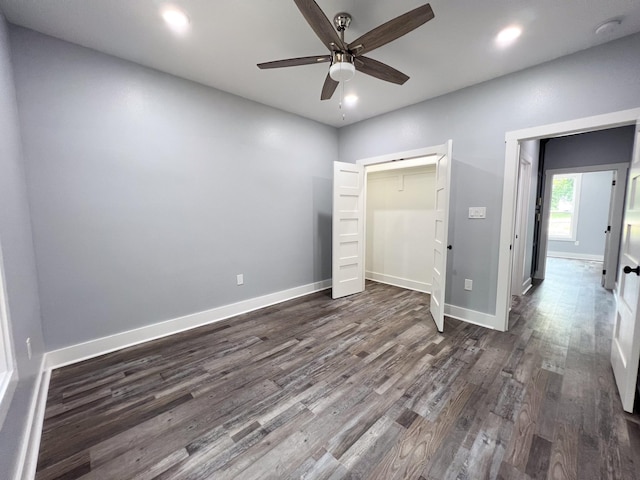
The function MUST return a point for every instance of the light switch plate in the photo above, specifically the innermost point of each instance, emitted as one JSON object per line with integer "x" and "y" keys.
{"x": 477, "y": 212}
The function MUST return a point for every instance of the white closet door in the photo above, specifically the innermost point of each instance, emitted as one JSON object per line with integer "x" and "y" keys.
{"x": 439, "y": 277}
{"x": 348, "y": 229}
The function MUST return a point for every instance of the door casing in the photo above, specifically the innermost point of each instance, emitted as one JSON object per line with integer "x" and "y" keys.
{"x": 411, "y": 158}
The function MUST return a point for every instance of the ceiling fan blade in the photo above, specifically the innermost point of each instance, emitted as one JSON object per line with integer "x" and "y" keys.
{"x": 380, "y": 70}
{"x": 389, "y": 31}
{"x": 320, "y": 24}
{"x": 328, "y": 88}
{"x": 294, "y": 62}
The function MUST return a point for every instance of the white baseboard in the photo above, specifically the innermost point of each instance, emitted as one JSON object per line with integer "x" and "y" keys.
{"x": 399, "y": 282}
{"x": 28, "y": 456}
{"x": 526, "y": 285}
{"x": 472, "y": 316}
{"x": 111, "y": 343}
{"x": 576, "y": 256}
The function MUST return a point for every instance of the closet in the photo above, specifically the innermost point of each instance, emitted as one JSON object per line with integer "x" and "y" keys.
{"x": 399, "y": 223}
{"x": 403, "y": 239}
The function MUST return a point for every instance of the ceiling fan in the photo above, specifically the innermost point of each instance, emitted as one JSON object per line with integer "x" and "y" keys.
{"x": 347, "y": 58}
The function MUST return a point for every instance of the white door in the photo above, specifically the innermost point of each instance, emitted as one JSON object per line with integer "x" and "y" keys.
{"x": 348, "y": 229}
{"x": 439, "y": 280}
{"x": 625, "y": 347}
{"x": 520, "y": 236}
{"x": 609, "y": 248}
{"x": 614, "y": 227}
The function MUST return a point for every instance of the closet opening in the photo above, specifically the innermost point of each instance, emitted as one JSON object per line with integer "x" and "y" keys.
{"x": 403, "y": 239}
{"x": 399, "y": 222}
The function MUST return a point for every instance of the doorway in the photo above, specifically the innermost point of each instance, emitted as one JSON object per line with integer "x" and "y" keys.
{"x": 625, "y": 346}
{"x": 584, "y": 219}
{"x": 509, "y": 195}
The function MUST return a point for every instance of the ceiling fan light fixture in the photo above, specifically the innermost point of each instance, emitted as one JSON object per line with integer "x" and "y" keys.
{"x": 342, "y": 68}
{"x": 342, "y": 71}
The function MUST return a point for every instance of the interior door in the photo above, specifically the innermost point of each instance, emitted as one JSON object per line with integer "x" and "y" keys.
{"x": 518, "y": 267}
{"x": 609, "y": 248}
{"x": 614, "y": 226}
{"x": 348, "y": 229}
{"x": 625, "y": 346}
{"x": 438, "y": 279}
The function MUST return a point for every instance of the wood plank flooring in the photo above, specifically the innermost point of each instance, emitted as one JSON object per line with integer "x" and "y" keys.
{"x": 363, "y": 387}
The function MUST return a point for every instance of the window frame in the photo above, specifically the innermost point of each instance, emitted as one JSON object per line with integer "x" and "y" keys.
{"x": 8, "y": 365}
{"x": 576, "y": 209}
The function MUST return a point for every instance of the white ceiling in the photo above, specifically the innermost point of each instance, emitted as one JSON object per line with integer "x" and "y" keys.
{"x": 228, "y": 38}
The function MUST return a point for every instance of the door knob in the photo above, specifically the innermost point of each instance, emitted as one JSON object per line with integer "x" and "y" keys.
{"x": 628, "y": 269}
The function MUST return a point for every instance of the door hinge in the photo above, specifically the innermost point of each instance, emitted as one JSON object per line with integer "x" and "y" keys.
{"x": 608, "y": 228}
{"x": 604, "y": 272}
{"x": 613, "y": 183}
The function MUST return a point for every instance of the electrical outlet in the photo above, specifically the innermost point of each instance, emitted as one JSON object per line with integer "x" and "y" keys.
{"x": 240, "y": 279}
{"x": 468, "y": 284}
{"x": 29, "y": 353}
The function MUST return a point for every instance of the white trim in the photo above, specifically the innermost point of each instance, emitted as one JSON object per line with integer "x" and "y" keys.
{"x": 100, "y": 346}
{"x": 8, "y": 382}
{"x": 30, "y": 445}
{"x": 603, "y": 167}
{"x": 526, "y": 285}
{"x": 423, "y": 287}
{"x": 577, "y": 256}
{"x": 8, "y": 369}
{"x": 579, "y": 125}
{"x": 513, "y": 138}
{"x": 470, "y": 316}
{"x": 408, "y": 154}
{"x": 426, "y": 161}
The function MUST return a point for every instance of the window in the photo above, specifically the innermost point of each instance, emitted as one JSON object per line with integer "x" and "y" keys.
{"x": 565, "y": 196}
{"x": 8, "y": 371}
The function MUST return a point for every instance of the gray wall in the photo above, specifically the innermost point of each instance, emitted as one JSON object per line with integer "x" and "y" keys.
{"x": 594, "y": 81}
{"x": 614, "y": 145}
{"x": 149, "y": 193}
{"x": 19, "y": 263}
{"x": 593, "y": 215}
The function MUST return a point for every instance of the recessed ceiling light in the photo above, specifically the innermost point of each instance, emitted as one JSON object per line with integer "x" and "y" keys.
{"x": 176, "y": 19}
{"x": 350, "y": 100}
{"x": 508, "y": 35}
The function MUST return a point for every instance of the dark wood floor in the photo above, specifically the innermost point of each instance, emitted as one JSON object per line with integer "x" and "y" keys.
{"x": 363, "y": 387}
